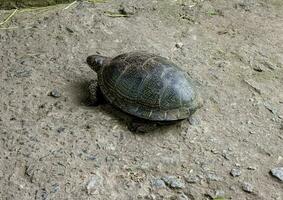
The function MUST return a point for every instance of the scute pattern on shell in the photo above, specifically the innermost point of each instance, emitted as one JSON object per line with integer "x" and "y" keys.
{"x": 148, "y": 86}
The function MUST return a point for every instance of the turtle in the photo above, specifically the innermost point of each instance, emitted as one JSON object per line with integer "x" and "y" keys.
{"x": 149, "y": 87}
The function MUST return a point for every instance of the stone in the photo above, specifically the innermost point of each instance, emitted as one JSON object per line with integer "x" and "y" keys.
{"x": 173, "y": 182}
{"x": 216, "y": 194}
{"x": 179, "y": 45}
{"x": 158, "y": 183}
{"x": 235, "y": 172}
{"x": 247, "y": 187}
{"x": 55, "y": 93}
{"x": 277, "y": 172}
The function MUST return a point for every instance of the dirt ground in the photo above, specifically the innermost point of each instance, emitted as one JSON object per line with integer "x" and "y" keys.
{"x": 60, "y": 148}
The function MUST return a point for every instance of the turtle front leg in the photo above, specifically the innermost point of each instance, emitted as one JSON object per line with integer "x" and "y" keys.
{"x": 95, "y": 94}
{"x": 141, "y": 126}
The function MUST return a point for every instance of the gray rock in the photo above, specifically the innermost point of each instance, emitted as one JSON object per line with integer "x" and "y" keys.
{"x": 211, "y": 176}
{"x": 173, "y": 182}
{"x": 55, "y": 93}
{"x": 158, "y": 183}
{"x": 192, "y": 179}
{"x": 219, "y": 194}
{"x": 247, "y": 187}
{"x": 277, "y": 172}
{"x": 215, "y": 194}
{"x": 235, "y": 172}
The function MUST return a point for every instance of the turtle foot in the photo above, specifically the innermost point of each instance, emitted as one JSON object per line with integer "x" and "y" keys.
{"x": 95, "y": 95}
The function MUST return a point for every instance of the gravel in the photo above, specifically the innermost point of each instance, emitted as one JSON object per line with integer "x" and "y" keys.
{"x": 173, "y": 182}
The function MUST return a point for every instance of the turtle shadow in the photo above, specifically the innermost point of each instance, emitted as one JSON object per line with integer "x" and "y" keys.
{"x": 148, "y": 127}
{"x": 78, "y": 92}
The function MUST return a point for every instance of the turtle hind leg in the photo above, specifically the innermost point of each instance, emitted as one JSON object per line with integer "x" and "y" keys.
{"x": 95, "y": 94}
{"x": 137, "y": 125}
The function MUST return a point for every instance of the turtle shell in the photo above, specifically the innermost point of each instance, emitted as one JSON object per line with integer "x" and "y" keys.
{"x": 148, "y": 86}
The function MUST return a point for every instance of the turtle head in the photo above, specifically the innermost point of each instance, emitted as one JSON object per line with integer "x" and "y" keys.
{"x": 96, "y": 62}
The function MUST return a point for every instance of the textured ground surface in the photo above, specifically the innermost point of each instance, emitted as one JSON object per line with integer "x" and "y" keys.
{"x": 59, "y": 148}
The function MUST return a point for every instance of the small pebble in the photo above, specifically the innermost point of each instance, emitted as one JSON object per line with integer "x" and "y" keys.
{"x": 173, "y": 182}
{"x": 219, "y": 194}
{"x": 215, "y": 194}
{"x": 158, "y": 183}
{"x": 277, "y": 172}
{"x": 179, "y": 45}
{"x": 251, "y": 168}
{"x": 55, "y": 93}
{"x": 247, "y": 187}
{"x": 235, "y": 172}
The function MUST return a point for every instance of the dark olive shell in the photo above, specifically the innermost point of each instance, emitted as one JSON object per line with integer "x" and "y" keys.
{"x": 148, "y": 86}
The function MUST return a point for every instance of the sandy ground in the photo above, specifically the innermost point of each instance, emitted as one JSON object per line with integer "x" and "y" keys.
{"x": 60, "y": 148}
